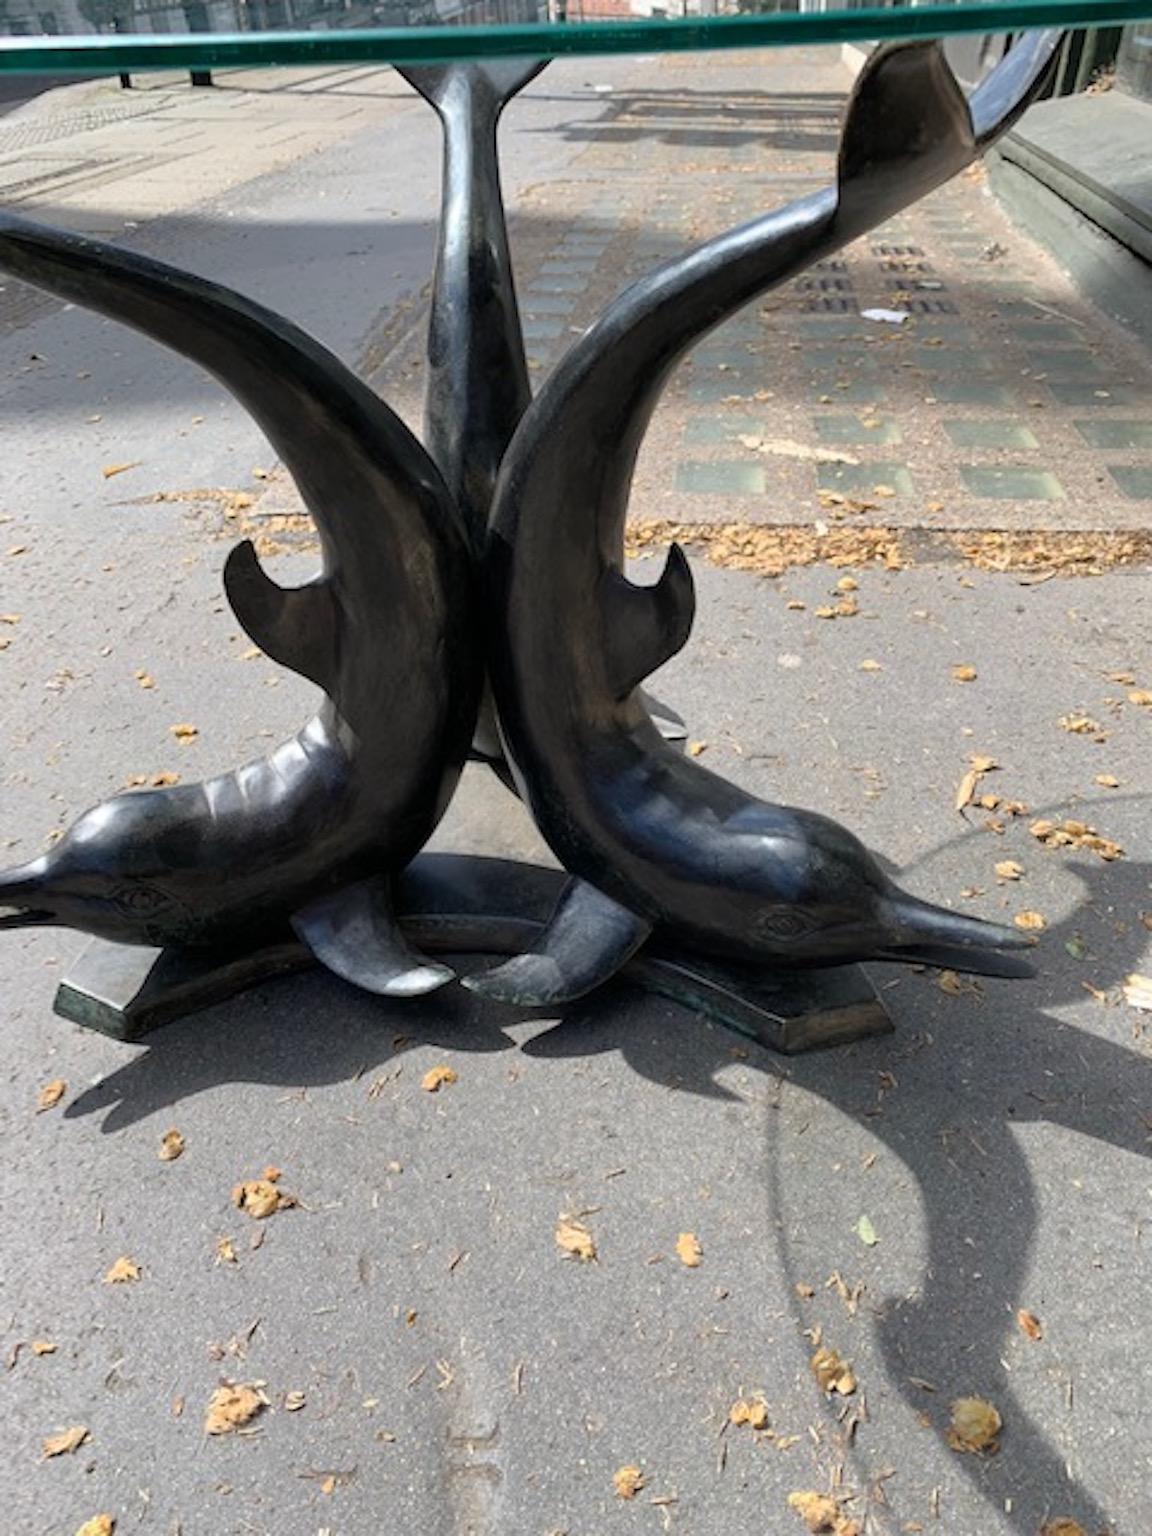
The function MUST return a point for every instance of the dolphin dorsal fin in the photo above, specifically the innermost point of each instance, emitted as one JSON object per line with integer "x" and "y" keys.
{"x": 296, "y": 626}
{"x": 645, "y": 626}
{"x": 907, "y": 128}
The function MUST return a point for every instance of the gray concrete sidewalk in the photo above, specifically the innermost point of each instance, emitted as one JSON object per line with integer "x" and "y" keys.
{"x": 432, "y": 1360}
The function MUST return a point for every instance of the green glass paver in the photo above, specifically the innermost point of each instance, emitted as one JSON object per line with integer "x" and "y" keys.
{"x": 574, "y": 282}
{"x": 724, "y": 354}
{"x": 857, "y": 392}
{"x": 989, "y": 434}
{"x": 548, "y": 303}
{"x": 966, "y": 392}
{"x": 1116, "y": 434}
{"x": 721, "y": 477}
{"x": 722, "y": 429}
{"x": 862, "y": 479}
{"x": 719, "y": 388}
{"x": 956, "y": 364}
{"x": 569, "y": 264}
{"x": 1013, "y": 482}
{"x": 852, "y": 432}
{"x": 1099, "y": 392}
{"x": 1066, "y": 364}
{"x": 1032, "y": 331}
{"x": 1135, "y": 480}
{"x": 545, "y": 328}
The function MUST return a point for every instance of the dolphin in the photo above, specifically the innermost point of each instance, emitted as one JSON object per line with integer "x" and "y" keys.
{"x": 313, "y": 834}
{"x": 478, "y": 387}
{"x": 658, "y": 840}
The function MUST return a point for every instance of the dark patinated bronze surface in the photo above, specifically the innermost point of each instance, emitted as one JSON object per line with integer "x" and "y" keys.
{"x": 314, "y": 833}
{"x": 663, "y": 843}
{"x": 745, "y": 910}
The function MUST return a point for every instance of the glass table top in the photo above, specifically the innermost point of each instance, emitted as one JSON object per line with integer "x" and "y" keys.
{"x": 118, "y": 35}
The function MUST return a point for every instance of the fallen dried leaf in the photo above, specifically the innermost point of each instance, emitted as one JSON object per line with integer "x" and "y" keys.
{"x": 956, "y": 985}
{"x": 868, "y": 665}
{"x": 1107, "y": 781}
{"x": 1075, "y": 834}
{"x": 963, "y": 674}
{"x": 866, "y": 1232}
{"x": 688, "y": 1250}
{"x": 145, "y": 679}
{"x": 226, "y": 1251}
{"x": 574, "y": 1237}
{"x": 978, "y": 767}
{"x": 42, "y": 1347}
{"x": 435, "y": 1078}
{"x": 695, "y": 748}
{"x": 1140, "y": 696}
{"x": 294, "y": 1401}
{"x": 260, "y": 1198}
{"x": 171, "y": 1146}
{"x": 752, "y": 1411}
{"x": 975, "y": 1425}
{"x": 122, "y": 1272}
{"x": 1029, "y": 1324}
{"x": 1062, "y": 1526}
{"x": 185, "y": 732}
{"x": 1008, "y": 869}
{"x": 99, "y": 1525}
{"x": 51, "y": 1094}
{"x": 821, "y": 1513}
{"x": 118, "y": 469}
{"x": 1080, "y": 725}
{"x": 1031, "y": 922}
{"x": 162, "y": 780}
{"x": 628, "y": 1482}
{"x": 1138, "y": 992}
{"x": 233, "y": 1405}
{"x": 832, "y": 1373}
{"x": 66, "y": 1442}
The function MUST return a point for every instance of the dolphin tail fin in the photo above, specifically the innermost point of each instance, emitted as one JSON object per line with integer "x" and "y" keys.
{"x": 353, "y": 932}
{"x": 296, "y": 626}
{"x": 588, "y": 938}
{"x": 504, "y": 78}
{"x": 908, "y": 126}
{"x": 645, "y": 626}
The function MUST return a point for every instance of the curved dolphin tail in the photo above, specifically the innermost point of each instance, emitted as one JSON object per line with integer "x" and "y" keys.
{"x": 907, "y": 129}
{"x": 478, "y": 385}
{"x": 373, "y": 492}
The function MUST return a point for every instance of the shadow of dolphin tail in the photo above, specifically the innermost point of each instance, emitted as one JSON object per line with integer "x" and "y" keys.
{"x": 349, "y": 454}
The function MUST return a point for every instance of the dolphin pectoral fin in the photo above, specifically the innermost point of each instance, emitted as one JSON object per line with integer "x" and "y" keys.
{"x": 645, "y": 626}
{"x": 668, "y": 721}
{"x": 296, "y": 626}
{"x": 354, "y": 934}
{"x": 588, "y": 938}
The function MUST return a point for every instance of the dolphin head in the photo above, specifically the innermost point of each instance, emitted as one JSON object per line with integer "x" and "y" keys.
{"x": 828, "y": 901}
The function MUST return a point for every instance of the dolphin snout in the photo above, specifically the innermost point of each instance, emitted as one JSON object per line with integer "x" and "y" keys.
{"x": 937, "y": 936}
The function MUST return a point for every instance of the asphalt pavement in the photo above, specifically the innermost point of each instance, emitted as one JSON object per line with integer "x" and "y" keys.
{"x": 958, "y": 1209}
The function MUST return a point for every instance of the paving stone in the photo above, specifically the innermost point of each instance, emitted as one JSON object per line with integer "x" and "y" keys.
{"x": 1011, "y": 482}
{"x": 721, "y": 476}
{"x": 989, "y": 434}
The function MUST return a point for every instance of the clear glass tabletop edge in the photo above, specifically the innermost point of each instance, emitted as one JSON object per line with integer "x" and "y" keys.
{"x": 123, "y": 52}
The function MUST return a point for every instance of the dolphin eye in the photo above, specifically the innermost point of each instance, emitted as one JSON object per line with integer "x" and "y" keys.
{"x": 140, "y": 900}
{"x": 784, "y": 923}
